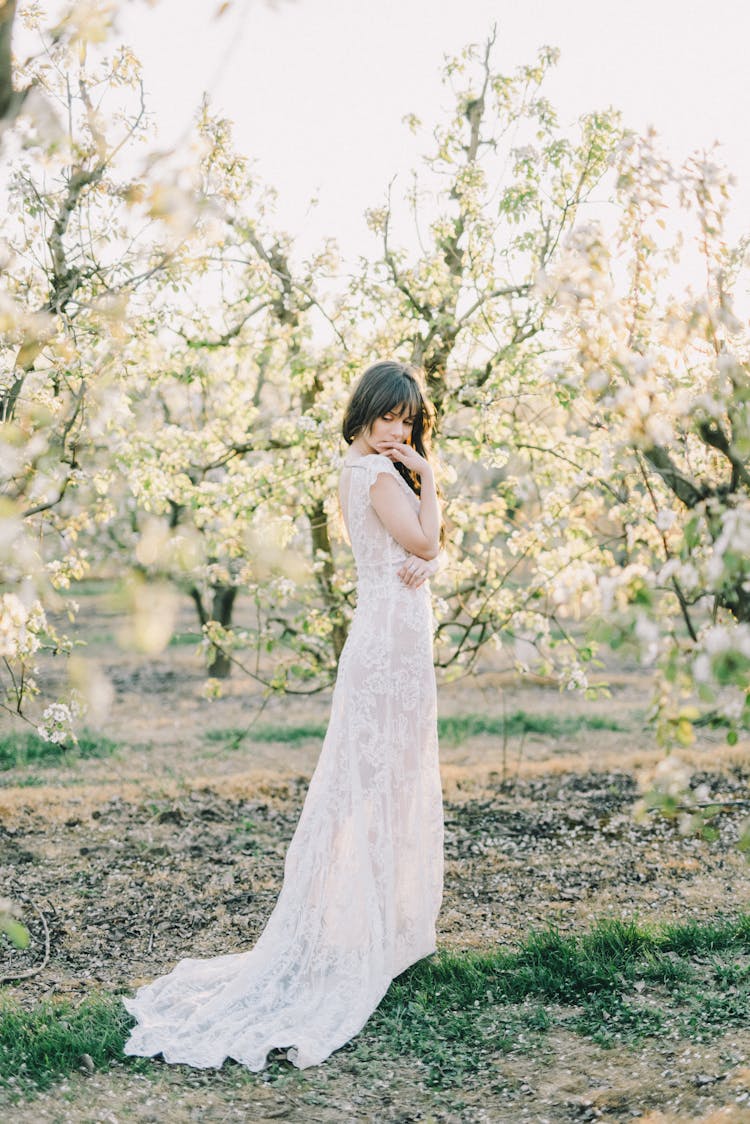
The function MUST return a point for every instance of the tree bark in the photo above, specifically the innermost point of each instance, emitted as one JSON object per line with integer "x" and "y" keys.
{"x": 220, "y": 666}
{"x": 9, "y": 99}
{"x": 222, "y": 604}
{"x": 321, "y": 541}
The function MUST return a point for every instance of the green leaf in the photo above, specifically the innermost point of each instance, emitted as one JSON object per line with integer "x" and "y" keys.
{"x": 16, "y": 933}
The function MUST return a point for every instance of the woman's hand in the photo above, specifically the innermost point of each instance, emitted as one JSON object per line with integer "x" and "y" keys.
{"x": 408, "y": 456}
{"x": 415, "y": 570}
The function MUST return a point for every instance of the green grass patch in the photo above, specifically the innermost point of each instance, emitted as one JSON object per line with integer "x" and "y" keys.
{"x": 30, "y": 780}
{"x": 457, "y": 729}
{"x": 696, "y": 937}
{"x": 454, "y": 1014}
{"x": 20, "y": 749}
{"x": 454, "y": 729}
{"x": 609, "y": 1019}
{"x": 91, "y": 587}
{"x": 180, "y": 639}
{"x": 624, "y": 982}
{"x": 40, "y": 1044}
{"x": 94, "y": 638}
{"x": 289, "y": 735}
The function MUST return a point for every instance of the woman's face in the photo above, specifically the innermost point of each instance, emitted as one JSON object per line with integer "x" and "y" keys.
{"x": 396, "y": 425}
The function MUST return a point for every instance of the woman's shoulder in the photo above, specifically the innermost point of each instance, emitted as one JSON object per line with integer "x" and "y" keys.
{"x": 375, "y": 463}
{"x": 370, "y": 462}
{"x": 373, "y": 458}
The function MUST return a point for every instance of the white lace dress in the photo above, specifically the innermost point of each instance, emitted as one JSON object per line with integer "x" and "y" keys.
{"x": 364, "y": 871}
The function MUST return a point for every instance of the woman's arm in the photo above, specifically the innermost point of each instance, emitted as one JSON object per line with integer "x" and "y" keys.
{"x": 419, "y": 533}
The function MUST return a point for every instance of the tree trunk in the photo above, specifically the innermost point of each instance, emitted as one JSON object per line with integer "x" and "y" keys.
{"x": 321, "y": 541}
{"x": 8, "y": 97}
{"x": 222, "y": 604}
{"x": 221, "y": 611}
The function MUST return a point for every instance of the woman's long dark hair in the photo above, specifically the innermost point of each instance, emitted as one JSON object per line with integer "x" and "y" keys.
{"x": 387, "y": 386}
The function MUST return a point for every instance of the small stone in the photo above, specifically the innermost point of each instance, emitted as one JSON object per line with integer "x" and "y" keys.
{"x": 86, "y": 1064}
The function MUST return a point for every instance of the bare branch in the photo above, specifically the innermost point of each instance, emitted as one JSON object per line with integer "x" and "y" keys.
{"x": 508, "y": 291}
{"x": 396, "y": 276}
{"x": 226, "y": 337}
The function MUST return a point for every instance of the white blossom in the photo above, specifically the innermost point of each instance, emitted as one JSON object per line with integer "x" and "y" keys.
{"x": 665, "y": 518}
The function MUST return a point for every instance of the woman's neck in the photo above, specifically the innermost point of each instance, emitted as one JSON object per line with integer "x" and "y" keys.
{"x": 361, "y": 451}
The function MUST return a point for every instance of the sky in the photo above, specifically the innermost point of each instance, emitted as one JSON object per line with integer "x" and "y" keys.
{"x": 317, "y": 89}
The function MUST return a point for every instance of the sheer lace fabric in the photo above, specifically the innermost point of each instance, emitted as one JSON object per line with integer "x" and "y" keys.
{"x": 363, "y": 873}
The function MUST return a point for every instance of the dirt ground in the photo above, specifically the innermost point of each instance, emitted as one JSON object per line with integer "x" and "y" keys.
{"x": 174, "y": 846}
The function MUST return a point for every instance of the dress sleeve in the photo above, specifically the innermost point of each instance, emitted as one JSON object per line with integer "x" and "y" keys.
{"x": 374, "y": 465}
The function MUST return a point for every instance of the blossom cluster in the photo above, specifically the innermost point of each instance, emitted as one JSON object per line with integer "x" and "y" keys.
{"x": 21, "y": 627}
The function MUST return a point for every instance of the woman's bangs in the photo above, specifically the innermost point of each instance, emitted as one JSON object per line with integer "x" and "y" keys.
{"x": 408, "y": 398}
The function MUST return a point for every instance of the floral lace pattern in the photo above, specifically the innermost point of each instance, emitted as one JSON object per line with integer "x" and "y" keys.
{"x": 364, "y": 871}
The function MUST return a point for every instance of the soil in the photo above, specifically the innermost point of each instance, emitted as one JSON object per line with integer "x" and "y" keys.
{"x": 174, "y": 846}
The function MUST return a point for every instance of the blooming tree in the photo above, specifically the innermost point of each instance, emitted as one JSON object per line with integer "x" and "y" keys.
{"x": 507, "y": 185}
{"x": 658, "y": 383}
{"x": 83, "y": 242}
{"x": 174, "y": 374}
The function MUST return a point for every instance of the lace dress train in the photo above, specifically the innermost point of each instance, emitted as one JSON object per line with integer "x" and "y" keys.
{"x": 364, "y": 870}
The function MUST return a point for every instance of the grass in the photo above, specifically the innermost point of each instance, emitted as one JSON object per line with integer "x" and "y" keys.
{"x": 41, "y": 1044}
{"x": 18, "y": 750}
{"x": 454, "y": 729}
{"x": 268, "y": 733}
{"x": 30, "y": 780}
{"x": 180, "y": 639}
{"x": 453, "y": 1014}
{"x": 91, "y": 587}
{"x": 625, "y": 982}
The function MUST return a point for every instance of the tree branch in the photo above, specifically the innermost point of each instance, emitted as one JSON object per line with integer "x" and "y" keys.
{"x": 711, "y": 432}
{"x": 689, "y": 493}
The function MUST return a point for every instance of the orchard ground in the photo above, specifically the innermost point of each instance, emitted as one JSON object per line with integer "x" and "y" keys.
{"x": 165, "y": 837}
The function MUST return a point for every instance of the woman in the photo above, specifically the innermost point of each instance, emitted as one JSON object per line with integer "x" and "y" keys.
{"x": 363, "y": 873}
